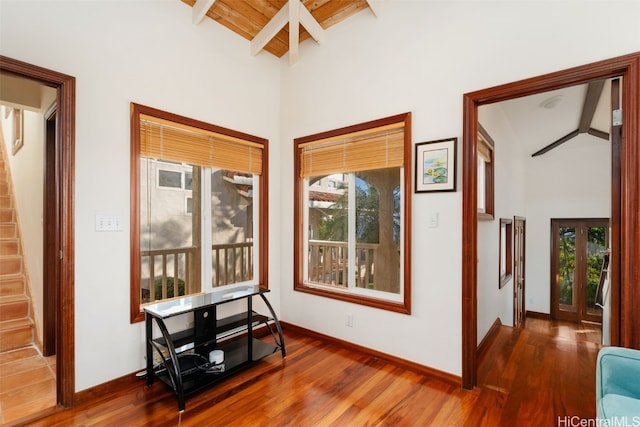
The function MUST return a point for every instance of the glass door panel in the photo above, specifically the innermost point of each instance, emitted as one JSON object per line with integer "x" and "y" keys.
{"x": 596, "y": 249}
{"x": 567, "y": 268}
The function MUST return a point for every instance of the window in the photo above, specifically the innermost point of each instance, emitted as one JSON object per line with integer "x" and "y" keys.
{"x": 485, "y": 174}
{"x": 506, "y": 251}
{"x": 169, "y": 179}
{"x": 199, "y": 210}
{"x": 353, "y": 213}
{"x": 174, "y": 175}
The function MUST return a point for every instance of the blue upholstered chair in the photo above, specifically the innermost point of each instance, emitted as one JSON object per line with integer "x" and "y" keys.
{"x": 618, "y": 383}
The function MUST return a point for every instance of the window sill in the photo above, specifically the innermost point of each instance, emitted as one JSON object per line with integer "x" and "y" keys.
{"x": 398, "y": 307}
{"x": 483, "y": 216}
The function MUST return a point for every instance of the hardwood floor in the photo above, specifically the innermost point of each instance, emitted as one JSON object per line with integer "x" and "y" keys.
{"x": 27, "y": 383}
{"x": 528, "y": 377}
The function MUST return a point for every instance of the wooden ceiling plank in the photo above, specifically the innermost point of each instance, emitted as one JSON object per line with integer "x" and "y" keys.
{"x": 311, "y": 25}
{"x": 294, "y": 29}
{"x": 226, "y": 15}
{"x": 259, "y": 13}
{"x": 312, "y": 5}
{"x": 337, "y": 11}
{"x": 233, "y": 19}
{"x": 270, "y": 30}
{"x": 248, "y": 17}
{"x": 200, "y": 9}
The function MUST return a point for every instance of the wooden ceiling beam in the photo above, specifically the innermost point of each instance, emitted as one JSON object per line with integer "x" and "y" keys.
{"x": 375, "y": 6}
{"x": 294, "y": 29}
{"x": 295, "y": 14}
{"x": 594, "y": 90}
{"x": 311, "y": 25}
{"x": 270, "y": 30}
{"x": 200, "y": 9}
{"x": 556, "y": 143}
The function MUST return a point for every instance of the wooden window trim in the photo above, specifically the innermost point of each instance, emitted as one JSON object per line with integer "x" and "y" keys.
{"x": 136, "y": 314}
{"x": 489, "y": 178}
{"x": 401, "y": 307}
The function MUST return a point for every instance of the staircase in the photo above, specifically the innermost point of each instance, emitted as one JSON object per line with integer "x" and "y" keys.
{"x": 16, "y": 323}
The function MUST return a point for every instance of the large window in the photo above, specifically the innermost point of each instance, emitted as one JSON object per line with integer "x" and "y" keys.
{"x": 352, "y": 213}
{"x": 198, "y": 216}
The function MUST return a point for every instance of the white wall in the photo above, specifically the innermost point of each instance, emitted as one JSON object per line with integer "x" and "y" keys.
{"x": 419, "y": 56}
{"x": 571, "y": 181}
{"x": 149, "y": 53}
{"x": 510, "y": 177}
{"x": 422, "y": 56}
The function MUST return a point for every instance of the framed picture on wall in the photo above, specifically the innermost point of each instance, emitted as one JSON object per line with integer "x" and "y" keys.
{"x": 436, "y": 165}
{"x": 18, "y": 131}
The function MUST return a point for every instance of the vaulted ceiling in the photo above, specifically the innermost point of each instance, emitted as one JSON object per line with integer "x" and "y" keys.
{"x": 571, "y": 118}
{"x": 278, "y": 26}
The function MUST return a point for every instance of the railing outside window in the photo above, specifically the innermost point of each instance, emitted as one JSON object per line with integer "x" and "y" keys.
{"x": 328, "y": 263}
{"x": 232, "y": 263}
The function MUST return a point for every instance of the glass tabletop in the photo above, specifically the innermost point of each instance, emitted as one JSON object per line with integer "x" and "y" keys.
{"x": 182, "y": 305}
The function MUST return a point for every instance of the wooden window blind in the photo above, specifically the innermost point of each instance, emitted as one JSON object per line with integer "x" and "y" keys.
{"x": 376, "y": 148}
{"x": 162, "y": 139}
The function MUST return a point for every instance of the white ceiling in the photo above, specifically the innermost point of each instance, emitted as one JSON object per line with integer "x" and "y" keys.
{"x": 536, "y": 126}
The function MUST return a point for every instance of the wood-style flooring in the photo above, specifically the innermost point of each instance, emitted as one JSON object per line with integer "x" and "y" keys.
{"x": 529, "y": 377}
{"x": 27, "y": 383}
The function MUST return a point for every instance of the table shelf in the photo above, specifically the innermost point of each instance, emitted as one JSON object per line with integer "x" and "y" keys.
{"x": 185, "y": 365}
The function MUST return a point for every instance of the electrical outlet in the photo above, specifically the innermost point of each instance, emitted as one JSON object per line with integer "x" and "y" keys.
{"x": 350, "y": 319}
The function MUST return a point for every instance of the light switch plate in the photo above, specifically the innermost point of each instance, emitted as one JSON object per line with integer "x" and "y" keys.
{"x": 108, "y": 223}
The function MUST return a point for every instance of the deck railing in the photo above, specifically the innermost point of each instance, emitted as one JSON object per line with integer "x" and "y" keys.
{"x": 328, "y": 263}
{"x": 232, "y": 263}
{"x": 173, "y": 269}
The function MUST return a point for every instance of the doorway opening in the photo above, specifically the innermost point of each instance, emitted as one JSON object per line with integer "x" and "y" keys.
{"x": 624, "y": 203}
{"x": 60, "y": 256}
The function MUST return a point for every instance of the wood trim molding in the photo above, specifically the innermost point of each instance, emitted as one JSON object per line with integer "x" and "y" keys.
{"x": 538, "y": 315}
{"x": 403, "y": 306}
{"x": 407, "y": 364}
{"x": 136, "y": 111}
{"x": 491, "y": 334}
{"x": 117, "y": 385}
{"x": 625, "y": 232}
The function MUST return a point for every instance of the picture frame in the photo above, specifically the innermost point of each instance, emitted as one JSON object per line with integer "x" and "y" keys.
{"x": 436, "y": 165}
{"x": 18, "y": 131}
{"x": 505, "y": 260}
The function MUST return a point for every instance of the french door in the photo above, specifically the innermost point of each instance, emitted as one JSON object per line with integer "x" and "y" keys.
{"x": 578, "y": 249}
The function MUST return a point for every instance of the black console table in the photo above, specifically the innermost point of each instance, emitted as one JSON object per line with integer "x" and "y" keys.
{"x": 185, "y": 355}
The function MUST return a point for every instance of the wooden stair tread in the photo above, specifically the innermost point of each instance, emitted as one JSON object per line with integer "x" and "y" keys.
{"x": 13, "y": 298}
{"x": 9, "y": 325}
{"x": 17, "y": 327}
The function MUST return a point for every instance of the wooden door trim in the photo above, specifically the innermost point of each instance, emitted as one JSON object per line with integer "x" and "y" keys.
{"x": 65, "y": 308}
{"x": 625, "y": 325}
{"x": 51, "y": 235}
{"x": 522, "y": 220}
